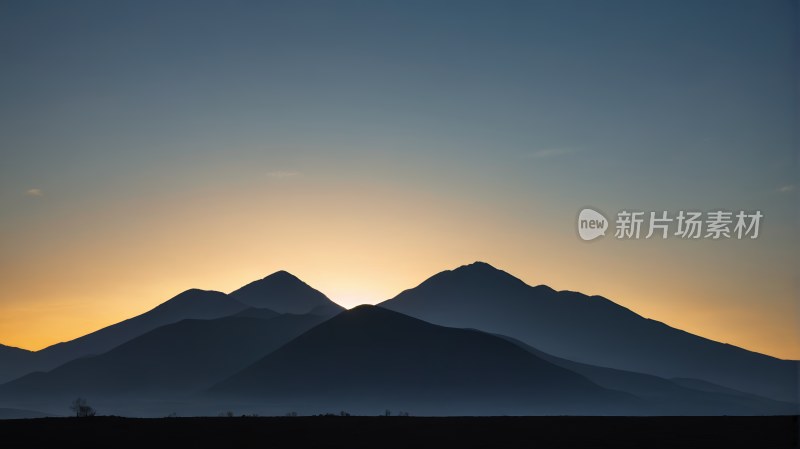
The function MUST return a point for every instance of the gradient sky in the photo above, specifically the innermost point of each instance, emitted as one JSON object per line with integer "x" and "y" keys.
{"x": 151, "y": 147}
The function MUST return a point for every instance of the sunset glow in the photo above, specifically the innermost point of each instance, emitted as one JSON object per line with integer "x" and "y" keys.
{"x": 136, "y": 166}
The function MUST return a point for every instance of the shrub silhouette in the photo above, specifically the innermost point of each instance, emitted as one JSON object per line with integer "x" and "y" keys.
{"x": 81, "y": 409}
{"x": 291, "y": 414}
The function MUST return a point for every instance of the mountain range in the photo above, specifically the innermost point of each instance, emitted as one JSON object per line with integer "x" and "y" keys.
{"x": 369, "y": 357}
{"x": 671, "y": 396}
{"x": 589, "y": 329}
{"x": 165, "y": 363}
{"x": 191, "y": 304}
{"x": 471, "y": 341}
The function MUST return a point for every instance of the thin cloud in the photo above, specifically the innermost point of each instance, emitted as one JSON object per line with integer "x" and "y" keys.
{"x": 34, "y": 192}
{"x": 282, "y": 174}
{"x": 786, "y": 189}
{"x": 551, "y": 152}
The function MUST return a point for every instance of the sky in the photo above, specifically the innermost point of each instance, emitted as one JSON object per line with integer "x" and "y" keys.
{"x": 151, "y": 147}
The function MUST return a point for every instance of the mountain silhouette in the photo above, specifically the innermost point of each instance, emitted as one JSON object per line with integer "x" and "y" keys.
{"x": 589, "y": 329}
{"x": 367, "y": 359}
{"x": 283, "y": 293}
{"x": 702, "y": 385}
{"x": 327, "y": 309}
{"x": 253, "y": 312}
{"x": 194, "y": 303}
{"x": 162, "y": 364}
{"x": 671, "y": 397}
{"x": 13, "y": 362}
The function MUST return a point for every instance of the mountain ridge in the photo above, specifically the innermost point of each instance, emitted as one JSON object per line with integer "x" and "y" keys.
{"x": 192, "y": 303}
{"x": 162, "y": 364}
{"x": 588, "y": 329}
{"x": 368, "y": 357}
{"x": 668, "y": 396}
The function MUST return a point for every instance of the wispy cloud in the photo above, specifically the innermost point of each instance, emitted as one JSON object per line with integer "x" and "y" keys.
{"x": 786, "y": 189}
{"x": 551, "y": 152}
{"x": 34, "y": 192}
{"x": 282, "y": 174}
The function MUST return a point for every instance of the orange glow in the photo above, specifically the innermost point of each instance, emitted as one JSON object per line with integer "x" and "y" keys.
{"x": 362, "y": 243}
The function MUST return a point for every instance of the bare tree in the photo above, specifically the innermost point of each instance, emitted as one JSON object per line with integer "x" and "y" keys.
{"x": 76, "y": 405}
{"x": 388, "y": 413}
{"x": 81, "y": 410}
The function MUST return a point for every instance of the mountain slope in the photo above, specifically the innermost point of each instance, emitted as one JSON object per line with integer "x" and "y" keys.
{"x": 368, "y": 358}
{"x": 283, "y": 293}
{"x": 165, "y": 363}
{"x": 702, "y": 385}
{"x": 252, "y": 312}
{"x": 13, "y": 362}
{"x": 589, "y": 329}
{"x": 670, "y": 397}
{"x": 194, "y": 304}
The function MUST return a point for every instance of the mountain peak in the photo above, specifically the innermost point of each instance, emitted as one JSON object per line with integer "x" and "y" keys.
{"x": 282, "y": 274}
{"x": 478, "y": 265}
{"x": 196, "y": 303}
{"x": 193, "y": 295}
{"x": 477, "y": 273}
{"x": 282, "y": 292}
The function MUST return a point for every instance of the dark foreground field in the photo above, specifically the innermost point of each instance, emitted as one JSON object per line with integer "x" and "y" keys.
{"x": 494, "y": 432}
